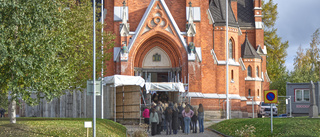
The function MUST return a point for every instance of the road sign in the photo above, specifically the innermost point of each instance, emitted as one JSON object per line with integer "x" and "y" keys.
{"x": 271, "y": 96}
{"x": 90, "y": 87}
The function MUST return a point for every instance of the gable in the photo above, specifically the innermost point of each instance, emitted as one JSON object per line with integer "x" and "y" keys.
{"x": 157, "y": 17}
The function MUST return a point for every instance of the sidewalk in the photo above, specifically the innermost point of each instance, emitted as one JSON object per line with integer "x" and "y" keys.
{"x": 207, "y": 133}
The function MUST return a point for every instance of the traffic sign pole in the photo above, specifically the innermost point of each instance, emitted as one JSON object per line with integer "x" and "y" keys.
{"x": 271, "y": 97}
{"x": 271, "y": 118}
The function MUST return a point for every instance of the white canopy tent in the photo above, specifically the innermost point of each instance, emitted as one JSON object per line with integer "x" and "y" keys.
{"x": 164, "y": 86}
{"x": 122, "y": 80}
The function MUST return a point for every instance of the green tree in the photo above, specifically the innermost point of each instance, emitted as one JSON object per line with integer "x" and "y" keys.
{"x": 46, "y": 48}
{"x": 78, "y": 17}
{"x": 269, "y": 13}
{"x": 31, "y": 39}
{"x": 276, "y": 48}
{"x": 306, "y": 65}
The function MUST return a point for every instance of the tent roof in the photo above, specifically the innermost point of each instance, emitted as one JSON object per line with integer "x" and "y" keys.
{"x": 123, "y": 80}
{"x": 164, "y": 86}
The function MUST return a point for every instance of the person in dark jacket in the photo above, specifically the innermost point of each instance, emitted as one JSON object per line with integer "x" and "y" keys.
{"x": 159, "y": 111}
{"x": 194, "y": 120}
{"x": 164, "y": 121}
{"x": 181, "y": 108}
{"x": 200, "y": 118}
{"x": 168, "y": 116}
{"x": 175, "y": 123}
{"x": 2, "y": 112}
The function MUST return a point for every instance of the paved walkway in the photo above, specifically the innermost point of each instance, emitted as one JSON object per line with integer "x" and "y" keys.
{"x": 207, "y": 132}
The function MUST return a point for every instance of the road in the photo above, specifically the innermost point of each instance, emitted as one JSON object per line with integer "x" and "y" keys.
{"x": 207, "y": 132}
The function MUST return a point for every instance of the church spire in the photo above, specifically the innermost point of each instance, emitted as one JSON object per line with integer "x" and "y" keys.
{"x": 190, "y": 13}
{"x": 124, "y": 13}
{"x": 191, "y": 27}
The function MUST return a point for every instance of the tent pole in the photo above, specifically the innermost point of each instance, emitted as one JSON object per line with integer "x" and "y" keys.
{"x": 140, "y": 107}
{"x": 123, "y": 102}
{"x": 115, "y": 101}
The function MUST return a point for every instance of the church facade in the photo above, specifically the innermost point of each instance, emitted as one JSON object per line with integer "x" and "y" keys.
{"x": 185, "y": 41}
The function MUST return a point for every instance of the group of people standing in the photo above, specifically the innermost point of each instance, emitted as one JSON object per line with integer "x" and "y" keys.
{"x": 171, "y": 117}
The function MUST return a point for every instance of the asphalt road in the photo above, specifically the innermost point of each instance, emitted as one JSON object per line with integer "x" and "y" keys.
{"x": 207, "y": 132}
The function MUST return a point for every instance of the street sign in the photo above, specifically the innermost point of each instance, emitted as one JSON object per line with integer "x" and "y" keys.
{"x": 270, "y": 96}
{"x": 90, "y": 87}
{"x": 87, "y": 124}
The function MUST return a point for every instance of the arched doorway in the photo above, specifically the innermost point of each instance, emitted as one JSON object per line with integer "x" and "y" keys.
{"x": 159, "y": 58}
{"x": 159, "y": 61}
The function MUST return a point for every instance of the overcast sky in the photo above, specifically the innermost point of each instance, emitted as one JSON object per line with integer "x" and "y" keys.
{"x": 297, "y": 20}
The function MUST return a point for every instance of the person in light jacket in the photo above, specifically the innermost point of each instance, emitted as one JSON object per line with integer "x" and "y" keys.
{"x": 187, "y": 113}
{"x": 159, "y": 111}
{"x": 154, "y": 121}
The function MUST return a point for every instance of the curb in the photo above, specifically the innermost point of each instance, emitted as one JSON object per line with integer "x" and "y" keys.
{"x": 213, "y": 130}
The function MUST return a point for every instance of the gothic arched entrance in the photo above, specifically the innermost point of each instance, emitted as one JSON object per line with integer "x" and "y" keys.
{"x": 158, "y": 60}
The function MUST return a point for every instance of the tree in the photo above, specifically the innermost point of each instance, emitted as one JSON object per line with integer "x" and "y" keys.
{"x": 269, "y": 13}
{"x": 45, "y": 48}
{"x": 30, "y": 43}
{"x": 79, "y": 29}
{"x": 275, "y": 47}
{"x": 306, "y": 65}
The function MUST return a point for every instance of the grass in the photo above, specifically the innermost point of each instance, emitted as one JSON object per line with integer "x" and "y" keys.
{"x": 260, "y": 127}
{"x": 36, "y": 127}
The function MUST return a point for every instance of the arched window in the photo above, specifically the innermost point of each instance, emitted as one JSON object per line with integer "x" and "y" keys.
{"x": 249, "y": 92}
{"x": 249, "y": 71}
{"x": 230, "y": 49}
{"x": 257, "y": 72}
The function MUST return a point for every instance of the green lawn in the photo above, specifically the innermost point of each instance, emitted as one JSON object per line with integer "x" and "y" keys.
{"x": 26, "y": 127}
{"x": 260, "y": 127}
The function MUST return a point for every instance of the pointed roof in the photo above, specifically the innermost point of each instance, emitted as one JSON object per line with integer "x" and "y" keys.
{"x": 245, "y": 13}
{"x": 218, "y": 11}
{"x": 247, "y": 50}
{"x": 168, "y": 14}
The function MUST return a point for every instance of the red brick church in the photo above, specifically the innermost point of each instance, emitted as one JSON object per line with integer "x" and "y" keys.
{"x": 185, "y": 41}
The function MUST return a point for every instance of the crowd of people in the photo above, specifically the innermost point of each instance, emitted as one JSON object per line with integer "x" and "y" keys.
{"x": 172, "y": 117}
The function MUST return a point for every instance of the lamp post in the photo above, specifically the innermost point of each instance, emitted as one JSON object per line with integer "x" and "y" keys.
{"x": 94, "y": 68}
{"x": 102, "y": 20}
{"x": 227, "y": 62}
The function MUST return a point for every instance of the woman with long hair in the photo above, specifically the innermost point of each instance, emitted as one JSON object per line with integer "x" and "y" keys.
{"x": 194, "y": 120}
{"x": 168, "y": 116}
{"x": 154, "y": 120}
{"x": 200, "y": 118}
{"x": 187, "y": 114}
{"x": 159, "y": 111}
{"x": 175, "y": 118}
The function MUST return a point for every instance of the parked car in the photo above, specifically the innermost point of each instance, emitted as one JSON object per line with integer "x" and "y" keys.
{"x": 265, "y": 110}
